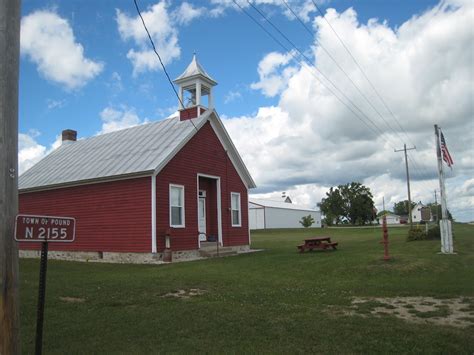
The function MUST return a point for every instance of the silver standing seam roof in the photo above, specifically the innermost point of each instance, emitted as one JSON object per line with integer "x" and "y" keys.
{"x": 194, "y": 69}
{"x": 278, "y": 204}
{"x": 139, "y": 150}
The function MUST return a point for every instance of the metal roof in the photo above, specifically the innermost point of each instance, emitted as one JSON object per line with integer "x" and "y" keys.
{"x": 279, "y": 204}
{"x": 194, "y": 69}
{"x": 137, "y": 150}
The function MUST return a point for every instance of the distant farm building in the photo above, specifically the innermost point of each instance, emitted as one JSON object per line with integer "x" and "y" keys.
{"x": 168, "y": 188}
{"x": 268, "y": 214}
{"x": 392, "y": 218}
{"x": 421, "y": 213}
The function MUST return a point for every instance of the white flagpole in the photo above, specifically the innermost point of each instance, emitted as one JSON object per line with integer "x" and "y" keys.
{"x": 445, "y": 223}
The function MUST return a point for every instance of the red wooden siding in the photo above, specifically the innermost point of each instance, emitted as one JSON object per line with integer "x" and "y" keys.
{"x": 191, "y": 112}
{"x": 112, "y": 217}
{"x": 202, "y": 154}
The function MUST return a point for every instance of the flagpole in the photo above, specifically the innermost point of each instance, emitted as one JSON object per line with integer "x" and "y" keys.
{"x": 445, "y": 223}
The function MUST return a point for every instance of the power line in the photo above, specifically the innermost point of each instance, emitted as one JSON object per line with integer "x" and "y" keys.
{"x": 302, "y": 62}
{"x": 159, "y": 57}
{"x": 362, "y": 71}
{"x": 382, "y": 100}
{"x": 341, "y": 69}
{"x": 311, "y": 68}
{"x": 414, "y": 162}
{"x": 322, "y": 74}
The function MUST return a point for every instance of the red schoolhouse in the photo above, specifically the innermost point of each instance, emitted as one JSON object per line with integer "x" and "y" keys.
{"x": 171, "y": 187}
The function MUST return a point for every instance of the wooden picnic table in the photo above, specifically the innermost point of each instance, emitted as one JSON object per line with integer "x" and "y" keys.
{"x": 322, "y": 243}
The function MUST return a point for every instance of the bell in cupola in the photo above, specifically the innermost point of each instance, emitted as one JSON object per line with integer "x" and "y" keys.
{"x": 195, "y": 91}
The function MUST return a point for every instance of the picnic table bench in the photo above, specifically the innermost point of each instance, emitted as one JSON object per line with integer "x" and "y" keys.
{"x": 317, "y": 243}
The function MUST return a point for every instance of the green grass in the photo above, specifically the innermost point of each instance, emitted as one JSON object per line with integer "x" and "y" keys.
{"x": 274, "y": 301}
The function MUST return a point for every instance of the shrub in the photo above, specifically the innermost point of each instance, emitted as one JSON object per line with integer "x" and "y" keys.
{"x": 434, "y": 233}
{"x": 416, "y": 234}
{"x": 307, "y": 221}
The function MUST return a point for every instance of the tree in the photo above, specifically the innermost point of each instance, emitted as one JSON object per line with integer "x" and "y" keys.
{"x": 307, "y": 221}
{"x": 400, "y": 208}
{"x": 436, "y": 212}
{"x": 332, "y": 207}
{"x": 351, "y": 201}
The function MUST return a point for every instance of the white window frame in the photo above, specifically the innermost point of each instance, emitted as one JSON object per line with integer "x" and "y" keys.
{"x": 183, "y": 225}
{"x": 231, "y": 210}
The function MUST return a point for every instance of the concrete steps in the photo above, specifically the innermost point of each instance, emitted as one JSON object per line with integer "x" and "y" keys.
{"x": 209, "y": 250}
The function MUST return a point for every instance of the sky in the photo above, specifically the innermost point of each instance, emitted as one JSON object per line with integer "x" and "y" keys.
{"x": 324, "y": 102}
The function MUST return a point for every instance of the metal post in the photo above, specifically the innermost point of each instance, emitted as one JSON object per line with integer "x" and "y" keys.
{"x": 41, "y": 298}
{"x": 384, "y": 241}
{"x": 408, "y": 181}
{"x": 9, "y": 68}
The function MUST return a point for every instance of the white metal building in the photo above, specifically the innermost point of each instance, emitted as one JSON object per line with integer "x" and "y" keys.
{"x": 268, "y": 214}
{"x": 391, "y": 218}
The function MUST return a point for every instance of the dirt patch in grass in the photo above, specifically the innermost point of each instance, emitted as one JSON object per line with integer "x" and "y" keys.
{"x": 72, "y": 299}
{"x": 184, "y": 294}
{"x": 453, "y": 312}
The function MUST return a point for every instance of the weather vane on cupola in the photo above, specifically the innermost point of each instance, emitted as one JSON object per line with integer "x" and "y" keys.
{"x": 195, "y": 90}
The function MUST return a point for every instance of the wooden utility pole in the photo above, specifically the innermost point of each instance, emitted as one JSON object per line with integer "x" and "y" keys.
{"x": 408, "y": 181}
{"x": 9, "y": 68}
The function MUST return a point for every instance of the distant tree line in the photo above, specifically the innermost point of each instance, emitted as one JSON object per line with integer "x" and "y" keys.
{"x": 400, "y": 208}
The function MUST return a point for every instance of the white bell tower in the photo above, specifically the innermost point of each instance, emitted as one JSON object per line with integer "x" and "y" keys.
{"x": 195, "y": 91}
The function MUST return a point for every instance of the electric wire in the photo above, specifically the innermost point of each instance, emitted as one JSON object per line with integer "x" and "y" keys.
{"x": 159, "y": 57}
{"x": 310, "y": 67}
{"x": 341, "y": 68}
{"x": 377, "y": 93}
{"x": 306, "y": 62}
{"x": 414, "y": 162}
{"x": 363, "y": 72}
{"x": 383, "y": 134}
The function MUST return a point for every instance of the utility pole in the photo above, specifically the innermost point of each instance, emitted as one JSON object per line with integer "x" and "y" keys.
{"x": 408, "y": 180}
{"x": 9, "y": 68}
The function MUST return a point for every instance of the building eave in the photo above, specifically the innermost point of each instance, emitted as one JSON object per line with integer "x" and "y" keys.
{"x": 86, "y": 182}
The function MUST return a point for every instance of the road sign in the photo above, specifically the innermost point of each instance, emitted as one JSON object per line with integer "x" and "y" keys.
{"x": 29, "y": 228}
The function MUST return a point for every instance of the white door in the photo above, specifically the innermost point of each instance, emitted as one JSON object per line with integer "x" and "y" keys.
{"x": 202, "y": 219}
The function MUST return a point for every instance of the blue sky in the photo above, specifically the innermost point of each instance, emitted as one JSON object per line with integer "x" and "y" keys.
{"x": 77, "y": 72}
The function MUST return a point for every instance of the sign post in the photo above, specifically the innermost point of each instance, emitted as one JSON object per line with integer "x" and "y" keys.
{"x": 384, "y": 241}
{"x": 43, "y": 229}
{"x": 41, "y": 298}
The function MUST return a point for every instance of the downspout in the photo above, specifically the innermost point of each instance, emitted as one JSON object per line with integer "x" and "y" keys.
{"x": 153, "y": 214}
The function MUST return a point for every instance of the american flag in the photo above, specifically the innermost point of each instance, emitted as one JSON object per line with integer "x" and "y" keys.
{"x": 444, "y": 150}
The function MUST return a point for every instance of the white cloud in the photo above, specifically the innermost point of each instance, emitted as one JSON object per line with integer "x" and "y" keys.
{"x": 30, "y": 151}
{"x": 115, "y": 83}
{"x": 185, "y": 13}
{"x": 274, "y": 73}
{"x": 303, "y": 8}
{"x": 117, "y": 119}
{"x": 49, "y": 42}
{"x": 162, "y": 31}
{"x": 232, "y": 96}
{"x": 311, "y": 140}
{"x": 53, "y": 104}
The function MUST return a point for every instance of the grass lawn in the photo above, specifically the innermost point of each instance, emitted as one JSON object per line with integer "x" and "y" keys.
{"x": 274, "y": 301}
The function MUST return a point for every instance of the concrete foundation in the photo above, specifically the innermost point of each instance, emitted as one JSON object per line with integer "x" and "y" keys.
{"x": 132, "y": 258}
